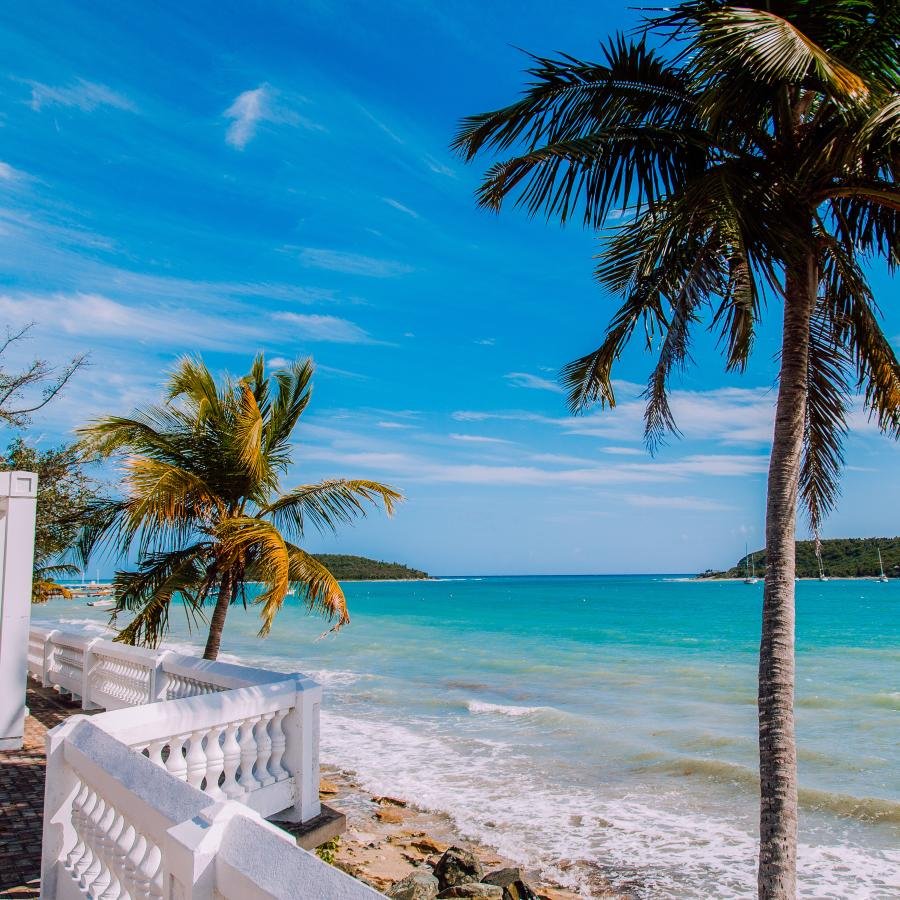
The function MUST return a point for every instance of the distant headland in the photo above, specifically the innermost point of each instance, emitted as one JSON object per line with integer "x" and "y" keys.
{"x": 360, "y": 568}
{"x": 841, "y": 558}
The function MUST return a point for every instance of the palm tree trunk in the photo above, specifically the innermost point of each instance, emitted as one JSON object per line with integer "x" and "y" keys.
{"x": 777, "y": 749}
{"x": 217, "y": 622}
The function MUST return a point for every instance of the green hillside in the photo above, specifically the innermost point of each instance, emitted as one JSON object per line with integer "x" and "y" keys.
{"x": 359, "y": 568}
{"x": 841, "y": 558}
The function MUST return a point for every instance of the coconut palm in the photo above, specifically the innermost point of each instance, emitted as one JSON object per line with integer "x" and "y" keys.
{"x": 753, "y": 157}
{"x": 203, "y": 507}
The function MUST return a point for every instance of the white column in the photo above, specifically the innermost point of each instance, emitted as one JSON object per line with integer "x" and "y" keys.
{"x": 18, "y": 493}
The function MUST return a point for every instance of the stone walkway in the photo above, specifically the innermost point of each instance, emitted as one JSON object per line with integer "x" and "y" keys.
{"x": 22, "y": 795}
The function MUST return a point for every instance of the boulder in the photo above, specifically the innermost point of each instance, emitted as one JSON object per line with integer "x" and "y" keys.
{"x": 327, "y": 788}
{"x": 390, "y": 816}
{"x": 420, "y": 885}
{"x": 457, "y": 866}
{"x": 503, "y": 877}
{"x": 389, "y": 801}
{"x": 518, "y": 890}
{"x": 474, "y": 890}
{"x": 428, "y": 845}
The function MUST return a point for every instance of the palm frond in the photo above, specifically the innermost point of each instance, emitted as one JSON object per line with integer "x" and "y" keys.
{"x": 148, "y": 592}
{"x": 328, "y": 504}
{"x": 828, "y": 393}
{"x": 319, "y": 588}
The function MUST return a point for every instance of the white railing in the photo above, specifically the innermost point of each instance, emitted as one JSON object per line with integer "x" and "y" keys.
{"x": 164, "y": 794}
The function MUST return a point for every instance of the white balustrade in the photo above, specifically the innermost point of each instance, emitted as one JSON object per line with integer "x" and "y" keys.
{"x": 183, "y": 741}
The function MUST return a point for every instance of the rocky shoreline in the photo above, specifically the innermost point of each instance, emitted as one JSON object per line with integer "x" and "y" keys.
{"x": 409, "y": 854}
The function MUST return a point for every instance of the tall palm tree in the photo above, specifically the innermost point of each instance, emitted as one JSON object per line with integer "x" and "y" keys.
{"x": 754, "y": 156}
{"x": 203, "y": 506}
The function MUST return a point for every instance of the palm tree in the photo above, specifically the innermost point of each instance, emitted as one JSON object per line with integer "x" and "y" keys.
{"x": 203, "y": 505}
{"x": 754, "y": 157}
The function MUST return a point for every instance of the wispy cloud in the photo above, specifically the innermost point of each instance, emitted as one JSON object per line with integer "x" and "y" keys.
{"x": 478, "y": 439}
{"x": 81, "y": 94}
{"x": 401, "y": 426}
{"x": 8, "y": 173}
{"x": 330, "y": 329}
{"x": 662, "y": 501}
{"x": 97, "y": 316}
{"x": 352, "y": 263}
{"x": 261, "y": 104}
{"x": 396, "y": 204}
{"x": 438, "y": 167}
{"x": 486, "y": 342}
{"x": 526, "y": 380}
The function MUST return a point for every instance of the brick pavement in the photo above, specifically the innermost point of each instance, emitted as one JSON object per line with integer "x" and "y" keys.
{"x": 22, "y": 795}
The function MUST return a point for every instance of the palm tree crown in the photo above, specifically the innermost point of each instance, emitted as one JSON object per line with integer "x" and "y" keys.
{"x": 203, "y": 506}
{"x": 754, "y": 157}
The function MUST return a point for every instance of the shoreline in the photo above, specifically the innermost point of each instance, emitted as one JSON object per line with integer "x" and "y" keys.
{"x": 387, "y": 838}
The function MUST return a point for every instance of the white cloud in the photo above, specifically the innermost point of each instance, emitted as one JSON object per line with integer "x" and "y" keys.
{"x": 94, "y": 315}
{"x": 247, "y": 110}
{"x": 661, "y": 501}
{"x": 396, "y": 204}
{"x": 84, "y": 95}
{"x": 478, "y": 439}
{"x": 277, "y": 362}
{"x": 623, "y": 451}
{"x": 525, "y": 380}
{"x": 8, "y": 173}
{"x": 438, "y": 167}
{"x": 351, "y": 263}
{"x": 486, "y": 342}
{"x": 261, "y": 104}
{"x": 396, "y": 425}
{"x": 325, "y": 328}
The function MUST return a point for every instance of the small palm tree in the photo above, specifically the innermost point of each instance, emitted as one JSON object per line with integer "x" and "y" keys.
{"x": 757, "y": 159}
{"x": 203, "y": 506}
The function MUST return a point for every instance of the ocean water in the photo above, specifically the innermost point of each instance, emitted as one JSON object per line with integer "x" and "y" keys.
{"x": 606, "y": 726}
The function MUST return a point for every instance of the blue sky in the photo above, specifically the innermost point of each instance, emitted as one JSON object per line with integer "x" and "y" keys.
{"x": 232, "y": 177}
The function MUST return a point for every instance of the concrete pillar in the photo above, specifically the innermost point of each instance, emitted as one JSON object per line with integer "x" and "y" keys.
{"x": 18, "y": 500}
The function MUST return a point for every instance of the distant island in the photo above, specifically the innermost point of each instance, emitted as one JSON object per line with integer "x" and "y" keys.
{"x": 841, "y": 558}
{"x": 360, "y": 568}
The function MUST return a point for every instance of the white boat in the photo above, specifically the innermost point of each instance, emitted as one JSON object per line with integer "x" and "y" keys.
{"x": 882, "y": 577}
{"x": 751, "y": 571}
{"x": 101, "y": 604}
{"x": 822, "y": 575}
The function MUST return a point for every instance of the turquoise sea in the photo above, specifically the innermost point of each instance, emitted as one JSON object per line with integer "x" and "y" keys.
{"x": 606, "y": 725}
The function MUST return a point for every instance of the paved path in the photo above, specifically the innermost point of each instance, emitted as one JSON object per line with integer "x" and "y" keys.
{"x": 22, "y": 795}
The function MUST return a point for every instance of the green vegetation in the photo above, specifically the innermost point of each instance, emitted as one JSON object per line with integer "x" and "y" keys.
{"x": 203, "y": 506}
{"x": 359, "y": 568}
{"x": 841, "y": 558}
{"x": 65, "y": 493}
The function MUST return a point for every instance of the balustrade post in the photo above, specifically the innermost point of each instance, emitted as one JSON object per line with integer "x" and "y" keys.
{"x": 87, "y": 668}
{"x": 159, "y": 678}
{"x": 48, "y": 650}
{"x": 61, "y": 786}
{"x": 301, "y": 752}
{"x": 189, "y": 854}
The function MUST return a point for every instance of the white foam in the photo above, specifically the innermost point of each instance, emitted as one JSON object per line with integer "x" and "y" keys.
{"x": 661, "y": 842}
{"x": 479, "y": 706}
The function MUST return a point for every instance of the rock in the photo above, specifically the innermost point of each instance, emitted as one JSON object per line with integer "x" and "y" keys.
{"x": 388, "y": 801}
{"x": 503, "y": 877}
{"x": 389, "y": 816}
{"x": 420, "y": 885}
{"x": 474, "y": 890}
{"x": 328, "y": 788}
{"x": 518, "y": 890}
{"x": 428, "y": 845}
{"x": 458, "y": 866}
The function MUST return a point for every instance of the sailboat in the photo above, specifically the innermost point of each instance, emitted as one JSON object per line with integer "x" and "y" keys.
{"x": 751, "y": 572}
{"x": 882, "y": 577}
{"x": 822, "y": 575}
